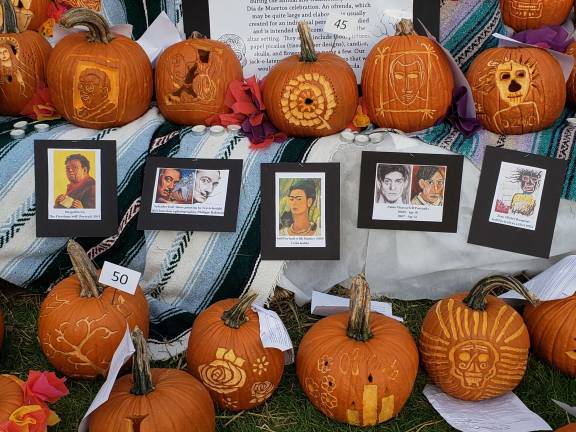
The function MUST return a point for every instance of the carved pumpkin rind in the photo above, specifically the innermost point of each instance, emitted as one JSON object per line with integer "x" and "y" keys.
{"x": 533, "y": 14}
{"x": 517, "y": 90}
{"x": 39, "y": 9}
{"x": 11, "y": 396}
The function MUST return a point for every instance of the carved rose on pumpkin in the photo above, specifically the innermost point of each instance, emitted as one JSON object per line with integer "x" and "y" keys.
{"x": 261, "y": 391}
{"x": 225, "y": 374}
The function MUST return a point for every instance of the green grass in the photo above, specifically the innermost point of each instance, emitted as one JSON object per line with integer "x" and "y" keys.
{"x": 288, "y": 410}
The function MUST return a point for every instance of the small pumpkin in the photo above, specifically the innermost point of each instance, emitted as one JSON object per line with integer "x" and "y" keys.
{"x": 192, "y": 78}
{"x": 407, "y": 82}
{"x": 552, "y": 328}
{"x": 533, "y": 14}
{"x": 23, "y": 58}
{"x": 473, "y": 345}
{"x": 358, "y": 368}
{"x": 82, "y": 322}
{"x": 517, "y": 90}
{"x": 11, "y": 396}
{"x": 311, "y": 94}
{"x": 154, "y": 400}
{"x": 98, "y": 79}
{"x": 226, "y": 354}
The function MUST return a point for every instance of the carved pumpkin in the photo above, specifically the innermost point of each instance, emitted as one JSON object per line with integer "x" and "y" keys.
{"x": 192, "y": 78}
{"x": 533, "y": 14}
{"x": 571, "y": 83}
{"x": 552, "y": 328}
{"x": 359, "y": 368}
{"x": 517, "y": 90}
{"x": 11, "y": 396}
{"x": 407, "y": 82}
{"x": 81, "y": 322}
{"x": 473, "y": 345}
{"x": 225, "y": 352}
{"x": 98, "y": 79}
{"x": 154, "y": 400}
{"x": 311, "y": 94}
{"x": 30, "y": 14}
{"x": 568, "y": 428}
{"x": 23, "y": 58}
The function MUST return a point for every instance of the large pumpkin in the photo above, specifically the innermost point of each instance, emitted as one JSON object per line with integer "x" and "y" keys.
{"x": 98, "y": 79}
{"x": 225, "y": 352}
{"x": 23, "y": 58}
{"x": 311, "y": 94}
{"x": 11, "y": 396}
{"x": 359, "y": 368}
{"x": 407, "y": 82}
{"x": 154, "y": 400}
{"x": 552, "y": 328}
{"x": 192, "y": 78}
{"x": 81, "y": 322}
{"x": 533, "y": 14}
{"x": 517, "y": 90}
{"x": 473, "y": 345}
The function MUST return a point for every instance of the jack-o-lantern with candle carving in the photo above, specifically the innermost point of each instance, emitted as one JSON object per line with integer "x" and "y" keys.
{"x": 533, "y": 14}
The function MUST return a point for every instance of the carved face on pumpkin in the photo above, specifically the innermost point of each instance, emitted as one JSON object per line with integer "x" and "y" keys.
{"x": 5, "y": 55}
{"x": 473, "y": 363}
{"x": 513, "y": 81}
{"x": 406, "y": 78}
{"x": 93, "y": 87}
{"x": 526, "y": 9}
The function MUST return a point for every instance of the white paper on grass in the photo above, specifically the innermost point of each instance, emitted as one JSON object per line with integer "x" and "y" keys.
{"x": 327, "y": 304}
{"x": 273, "y": 333}
{"x": 161, "y": 34}
{"x": 506, "y": 413}
{"x": 124, "y": 351}
{"x": 61, "y": 32}
{"x": 570, "y": 410}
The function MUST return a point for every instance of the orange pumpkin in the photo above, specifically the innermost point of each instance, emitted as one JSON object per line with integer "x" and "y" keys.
{"x": 98, "y": 79}
{"x": 225, "y": 353}
{"x": 473, "y": 345}
{"x": 154, "y": 400}
{"x": 517, "y": 90}
{"x": 571, "y": 84}
{"x": 358, "y": 369}
{"x": 1, "y": 329}
{"x": 407, "y": 82}
{"x": 568, "y": 428}
{"x": 552, "y": 328}
{"x": 81, "y": 322}
{"x": 192, "y": 78}
{"x": 311, "y": 94}
{"x": 31, "y": 14}
{"x": 533, "y": 14}
{"x": 11, "y": 396}
{"x": 23, "y": 58}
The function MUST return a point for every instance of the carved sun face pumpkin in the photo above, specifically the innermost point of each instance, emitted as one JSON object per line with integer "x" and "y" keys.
{"x": 532, "y": 14}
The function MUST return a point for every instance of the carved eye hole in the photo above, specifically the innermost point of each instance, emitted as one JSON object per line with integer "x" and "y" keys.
{"x": 505, "y": 76}
{"x": 483, "y": 358}
{"x": 399, "y": 76}
{"x": 520, "y": 74}
{"x": 464, "y": 356}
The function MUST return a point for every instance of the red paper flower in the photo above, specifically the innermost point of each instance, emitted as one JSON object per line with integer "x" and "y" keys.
{"x": 40, "y": 106}
{"x": 45, "y": 387}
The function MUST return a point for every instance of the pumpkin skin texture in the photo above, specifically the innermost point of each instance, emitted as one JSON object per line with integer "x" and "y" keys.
{"x": 1, "y": 329}
{"x": 533, "y": 14}
{"x": 310, "y": 95}
{"x": 98, "y": 80}
{"x": 475, "y": 353}
{"x": 192, "y": 78}
{"x": 407, "y": 82}
{"x": 571, "y": 83}
{"x": 361, "y": 383}
{"x": 231, "y": 362}
{"x": 11, "y": 396}
{"x": 552, "y": 328}
{"x": 568, "y": 428}
{"x": 517, "y": 90}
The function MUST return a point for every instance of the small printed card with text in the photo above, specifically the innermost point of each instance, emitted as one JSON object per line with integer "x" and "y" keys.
{"x": 119, "y": 277}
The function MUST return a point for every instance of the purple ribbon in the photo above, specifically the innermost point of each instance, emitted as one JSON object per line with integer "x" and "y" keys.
{"x": 457, "y": 113}
{"x": 552, "y": 37}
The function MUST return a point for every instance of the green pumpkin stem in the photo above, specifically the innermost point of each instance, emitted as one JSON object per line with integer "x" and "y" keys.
{"x": 359, "y": 319}
{"x": 236, "y": 316}
{"x": 476, "y": 298}
{"x": 307, "y": 48}
{"x": 98, "y": 27}
{"x": 405, "y": 27}
{"x": 141, "y": 375}
{"x": 84, "y": 269}
{"x": 9, "y": 22}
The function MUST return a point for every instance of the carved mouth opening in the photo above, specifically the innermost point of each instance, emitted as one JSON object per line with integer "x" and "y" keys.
{"x": 308, "y": 101}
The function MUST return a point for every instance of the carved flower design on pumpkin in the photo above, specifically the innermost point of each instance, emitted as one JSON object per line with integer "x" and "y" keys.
{"x": 225, "y": 374}
{"x": 261, "y": 391}
{"x": 312, "y": 387}
{"x": 329, "y": 401}
{"x": 230, "y": 403}
{"x": 260, "y": 365}
{"x": 328, "y": 383}
{"x": 324, "y": 364}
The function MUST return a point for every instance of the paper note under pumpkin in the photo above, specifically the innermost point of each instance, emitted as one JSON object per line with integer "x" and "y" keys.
{"x": 98, "y": 79}
{"x": 154, "y": 400}
{"x": 517, "y": 90}
{"x": 552, "y": 328}
{"x": 311, "y": 94}
{"x": 225, "y": 352}
{"x": 81, "y": 322}
{"x": 358, "y": 368}
{"x": 533, "y": 14}
{"x": 407, "y": 82}
{"x": 192, "y": 78}
{"x": 23, "y": 58}
{"x": 473, "y": 345}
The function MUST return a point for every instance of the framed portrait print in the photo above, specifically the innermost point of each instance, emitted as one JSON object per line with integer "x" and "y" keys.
{"x": 517, "y": 202}
{"x": 191, "y": 194}
{"x": 75, "y": 188}
{"x": 410, "y": 191}
{"x": 300, "y": 211}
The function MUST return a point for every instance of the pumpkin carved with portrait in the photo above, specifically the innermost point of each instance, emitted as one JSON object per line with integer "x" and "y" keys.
{"x": 533, "y": 14}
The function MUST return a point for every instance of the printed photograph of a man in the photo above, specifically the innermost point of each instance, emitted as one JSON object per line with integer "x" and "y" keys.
{"x": 299, "y": 208}
{"x": 392, "y": 184}
{"x": 78, "y": 191}
{"x": 428, "y": 185}
{"x": 168, "y": 178}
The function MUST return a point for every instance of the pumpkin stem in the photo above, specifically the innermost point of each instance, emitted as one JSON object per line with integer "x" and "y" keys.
{"x": 84, "y": 269}
{"x": 405, "y": 27}
{"x": 236, "y": 316}
{"x": 9, "y": 22}
{"x": 141, "y": 375}
{"x": 197, "y": 35}
{"x": 476, "y": 298}
{"x": 307, "y": 48}
{"x": 98, "y": 27}
{"x": 359, "y": 319}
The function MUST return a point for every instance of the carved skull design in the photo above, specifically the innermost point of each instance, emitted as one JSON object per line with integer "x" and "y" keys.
{"x": 473, "y": 363}
{"x": 513, "y": 81}
{"x": 527, "y": 9}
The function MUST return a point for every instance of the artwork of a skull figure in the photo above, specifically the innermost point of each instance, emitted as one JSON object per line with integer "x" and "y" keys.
{"x": 473, "y": 363}
{"x": 513, "y": 80}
